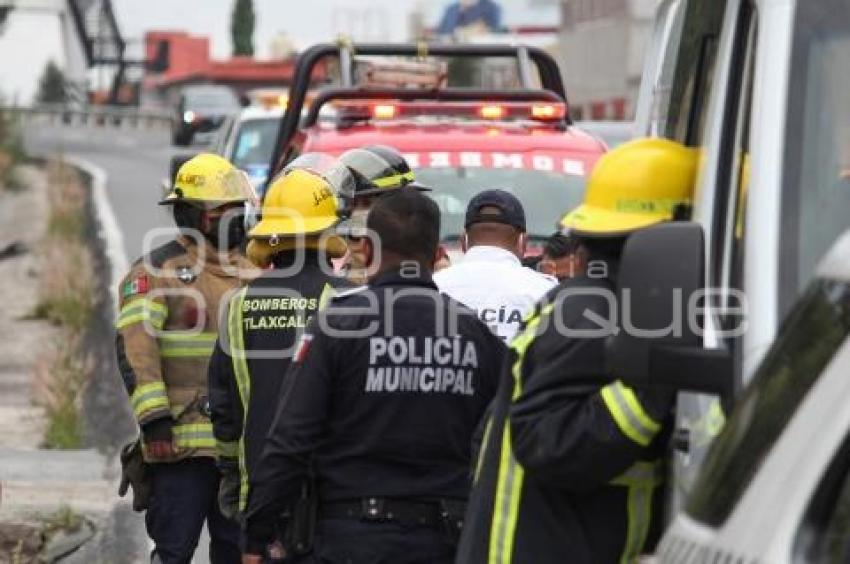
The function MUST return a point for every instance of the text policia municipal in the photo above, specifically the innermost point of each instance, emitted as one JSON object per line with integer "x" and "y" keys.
{"x": 431, "y": 365}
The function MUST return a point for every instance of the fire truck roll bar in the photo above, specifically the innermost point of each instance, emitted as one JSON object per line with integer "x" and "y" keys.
{"x": 344, "y": 52}
{"x": 411, "y": 95}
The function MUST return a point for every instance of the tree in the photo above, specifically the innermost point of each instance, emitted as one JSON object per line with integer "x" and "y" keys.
{"x": 242, "y": 28}
{"x": 52, "y": 88}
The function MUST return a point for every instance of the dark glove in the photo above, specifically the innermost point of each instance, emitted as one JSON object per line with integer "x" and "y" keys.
{"x": 159, "y": 438}
{"x": 228, "y": 488}
{"x": 134, "y": 472}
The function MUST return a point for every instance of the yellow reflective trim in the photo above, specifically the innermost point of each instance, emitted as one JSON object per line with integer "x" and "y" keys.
{"x": 243, "y": 383}
{"x": 140, "y": 310}
{"x": 194, "y": 435}
{"x": 328, "y": 293}
{"x": 227, "y": 449}
{"x": 511, "y": 473}
{"x": 641, "y": 480}
{"x": 186, "y": 353}
{"x": 638, "y": 411}
{"x": 483, "y": 448}
{"x": 149, "y": 397}
{"x": 628, "y": 414}
{"x": 154, "y": 404}
{"x": 185, "y": 336}
{"x": 393, "y": 180}
{"x": 186, "y": 345}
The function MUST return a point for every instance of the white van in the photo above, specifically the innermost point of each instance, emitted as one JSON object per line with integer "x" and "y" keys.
{"x": 761, "y": 88}
{"x": 775, "y": 486}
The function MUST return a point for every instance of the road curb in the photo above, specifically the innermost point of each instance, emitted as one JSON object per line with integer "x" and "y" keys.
{"x": 108, "y": 230}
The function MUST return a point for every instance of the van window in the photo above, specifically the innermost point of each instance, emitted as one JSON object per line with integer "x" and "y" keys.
{"x": 806, "y": 342}
{"x": 816, "y": 190}
{"x": 733, "y": 177}
{"x": 694, "y": 72}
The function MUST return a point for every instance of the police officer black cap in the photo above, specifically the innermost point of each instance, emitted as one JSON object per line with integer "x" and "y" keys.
{"x": 495, "y": 206}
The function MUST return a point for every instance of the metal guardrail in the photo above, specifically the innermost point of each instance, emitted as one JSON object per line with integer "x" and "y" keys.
{"x": 89, "y": 116}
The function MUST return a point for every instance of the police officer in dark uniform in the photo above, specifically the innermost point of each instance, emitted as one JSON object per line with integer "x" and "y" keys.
{"x": 264, "y": 320}
{"x": 570, "y": 467}
{"x": 383, "y": 396}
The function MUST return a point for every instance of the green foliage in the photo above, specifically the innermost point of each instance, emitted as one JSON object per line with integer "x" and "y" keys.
{"x": 67, "y": 299}
{"x": 63, "y": 428}
{"x": 52, "y": 87}
{"x": 11, "y": 148}
{"x": 242, "y": 28}
{"x": 65, "y": 519}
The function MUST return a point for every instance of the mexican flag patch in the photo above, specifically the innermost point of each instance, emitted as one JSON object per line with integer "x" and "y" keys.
{"x": 135, "y": 287}
{"x": 303, "y": 348}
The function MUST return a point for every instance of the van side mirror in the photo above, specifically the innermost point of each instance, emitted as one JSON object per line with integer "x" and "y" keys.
{"x": 660, "y": 301}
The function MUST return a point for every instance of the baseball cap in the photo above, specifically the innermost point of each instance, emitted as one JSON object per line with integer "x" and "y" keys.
{"x": 508, "y": 209}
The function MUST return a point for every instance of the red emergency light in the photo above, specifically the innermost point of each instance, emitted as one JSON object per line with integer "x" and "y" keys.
{"x": 547, "y": 112}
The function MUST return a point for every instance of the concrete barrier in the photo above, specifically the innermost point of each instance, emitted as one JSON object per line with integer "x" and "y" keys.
{"x": 119, "y": 117}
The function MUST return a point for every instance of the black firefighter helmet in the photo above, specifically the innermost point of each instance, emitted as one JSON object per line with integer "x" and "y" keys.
{"x": 378, "y": 169}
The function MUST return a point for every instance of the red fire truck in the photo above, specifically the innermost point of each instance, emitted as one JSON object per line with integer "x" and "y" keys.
{"x": 459, "y": 139}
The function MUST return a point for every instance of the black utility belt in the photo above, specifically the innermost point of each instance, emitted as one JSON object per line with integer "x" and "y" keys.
{"x": 437, "y": 514}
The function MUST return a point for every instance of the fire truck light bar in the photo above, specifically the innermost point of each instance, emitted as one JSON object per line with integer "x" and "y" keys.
{"x": 370, "y": 110}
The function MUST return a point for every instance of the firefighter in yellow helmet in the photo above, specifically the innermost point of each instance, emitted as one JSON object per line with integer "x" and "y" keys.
{"x": 167, "y": 325}
{"x": 265, "y": 320}
{"x": 570, "y": 462}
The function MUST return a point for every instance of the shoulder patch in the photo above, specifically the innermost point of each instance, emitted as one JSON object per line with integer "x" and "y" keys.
{"x": 303, "y": 348}
{"x": 159, "y": 256}
{"x": 135, "y": 287}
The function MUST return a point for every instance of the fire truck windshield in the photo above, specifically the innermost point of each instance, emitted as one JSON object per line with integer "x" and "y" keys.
{"x": 546, "y": 196}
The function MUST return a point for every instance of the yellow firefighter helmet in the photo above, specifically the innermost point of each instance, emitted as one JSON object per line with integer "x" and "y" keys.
{"x": 210, "y": 181}
{"x": 636, "y": 185}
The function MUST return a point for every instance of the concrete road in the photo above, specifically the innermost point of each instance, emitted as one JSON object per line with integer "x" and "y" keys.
{"x": 135, "y": 163}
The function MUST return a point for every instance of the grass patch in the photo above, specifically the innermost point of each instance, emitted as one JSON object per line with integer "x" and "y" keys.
{"x": 65, "y": 519}
{"x": 11, "y": 151}
{"x": 66, "y": 299}
{"x": 60, "y": 379}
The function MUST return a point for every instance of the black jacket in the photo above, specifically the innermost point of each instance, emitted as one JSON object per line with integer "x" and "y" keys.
{"x": 265, "y": 320}
{"x": 384, "y": 396}
{"x": 569, "y": 469}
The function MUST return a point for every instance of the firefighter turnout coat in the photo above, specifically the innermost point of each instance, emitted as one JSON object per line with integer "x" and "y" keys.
{"x": 569, "y": 468}
{"x": 265, "y": 321}
{"x": 167, "y": 326}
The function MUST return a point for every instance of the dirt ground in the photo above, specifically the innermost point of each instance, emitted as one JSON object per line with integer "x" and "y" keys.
{"x": 23, "y": 217}
{"x": 33, "y": 482}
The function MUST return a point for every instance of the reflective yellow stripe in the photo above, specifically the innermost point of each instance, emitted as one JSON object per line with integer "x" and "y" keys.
{"x": 511, "y": 474}
{"x": 628, "y": 413}
{"x": 483, "y": 448}
{"x": 149, "y": 397}
{"x": 641, "y": 480}
{"x": 394, "y": 180}
{"x": 186, "y": 345}
{"x": 243, "y": 383}
{"x": 194, "y": 435}
{"x": 141, "y": 310}
{"x": 328, "y": 293}
{"x": 227, "y": 449}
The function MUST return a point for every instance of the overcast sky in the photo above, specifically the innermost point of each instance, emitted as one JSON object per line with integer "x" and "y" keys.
{"x": 307, "y": 21}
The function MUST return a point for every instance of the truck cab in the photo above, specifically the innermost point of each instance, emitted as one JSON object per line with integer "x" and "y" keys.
{"x": 759, "y": 87}
{"x": 459, "y": 139}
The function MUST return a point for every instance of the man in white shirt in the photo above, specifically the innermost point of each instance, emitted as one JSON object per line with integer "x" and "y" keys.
{"x": 491, "y": 279}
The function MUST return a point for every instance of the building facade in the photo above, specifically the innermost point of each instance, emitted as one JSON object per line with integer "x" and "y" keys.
{"x": 601, "y": 49}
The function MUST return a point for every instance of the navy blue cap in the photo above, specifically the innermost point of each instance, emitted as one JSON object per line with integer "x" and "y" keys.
{"x": 495, "y": 206}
